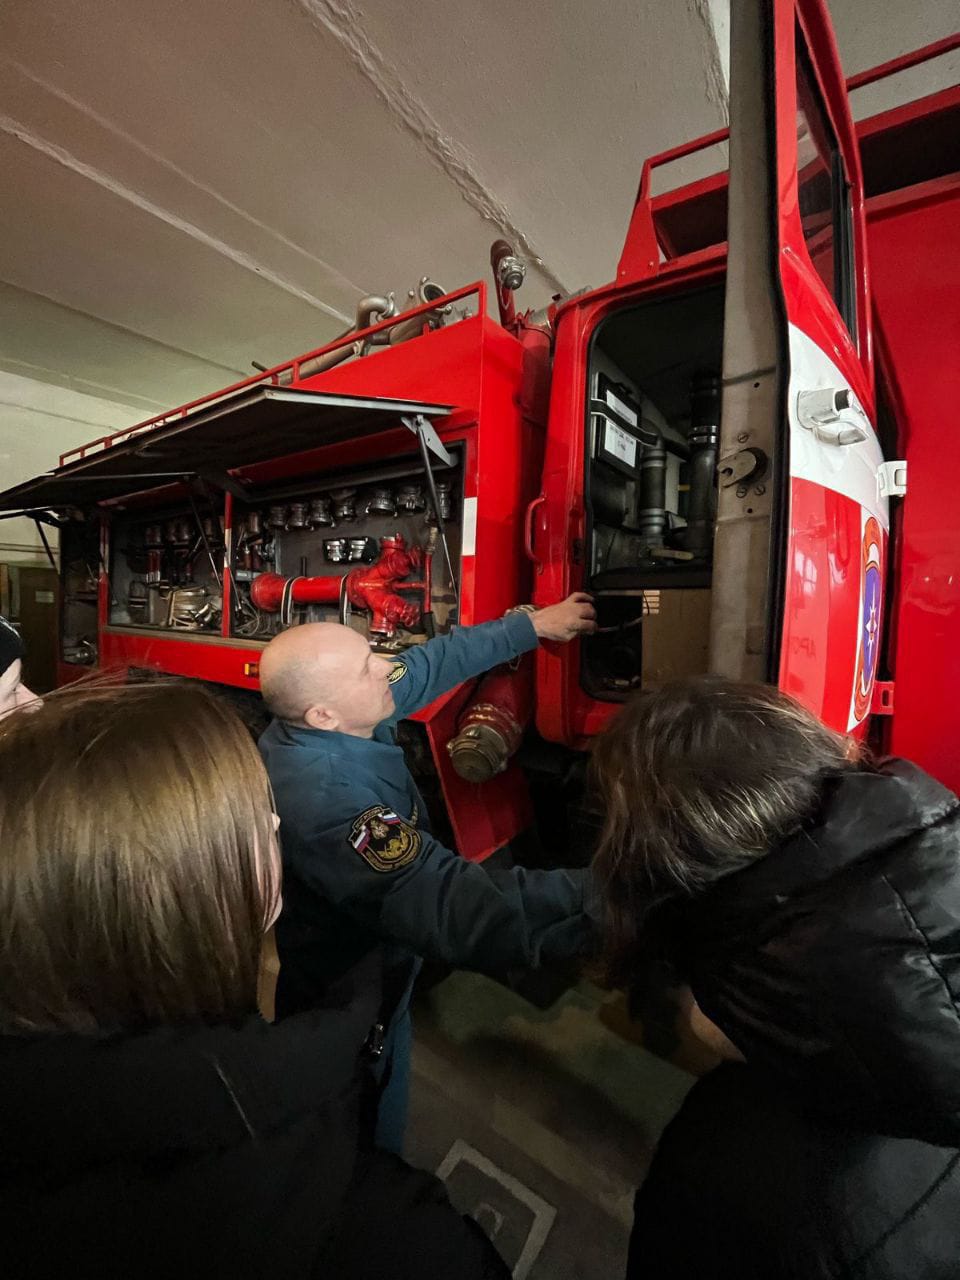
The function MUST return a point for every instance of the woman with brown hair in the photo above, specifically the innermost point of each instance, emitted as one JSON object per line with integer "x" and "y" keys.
{"x": 810, "y": 899}
{"x": 151, "y": 1122}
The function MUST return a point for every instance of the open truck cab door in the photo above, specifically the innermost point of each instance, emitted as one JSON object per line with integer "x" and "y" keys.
{"x": 801, "y": 559}
{"x": 712, "y": 473}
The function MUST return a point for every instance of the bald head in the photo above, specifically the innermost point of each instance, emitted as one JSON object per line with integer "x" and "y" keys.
{"x": 305, "y": 665}
{"x": 325, "y": 676}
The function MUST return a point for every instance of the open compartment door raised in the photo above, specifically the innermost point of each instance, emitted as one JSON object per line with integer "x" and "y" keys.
{"x": 255, "y": 425}
{"x": 802, "y": 524}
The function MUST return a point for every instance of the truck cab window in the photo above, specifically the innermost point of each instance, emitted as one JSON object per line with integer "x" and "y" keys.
{"x": 824, "y": 194}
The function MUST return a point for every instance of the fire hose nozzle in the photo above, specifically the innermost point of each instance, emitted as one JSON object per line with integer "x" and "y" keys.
{"x": 511, "y": 273}
{"x": 491, "y": 728}
{"x": 484, "y": 745}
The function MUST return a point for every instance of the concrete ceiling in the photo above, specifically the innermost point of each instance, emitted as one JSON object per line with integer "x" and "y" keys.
{"x": 189, "y": 187}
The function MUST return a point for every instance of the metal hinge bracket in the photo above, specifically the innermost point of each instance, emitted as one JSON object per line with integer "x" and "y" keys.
{"x": 892, "y": 479}
{"x": 424, "y": 430}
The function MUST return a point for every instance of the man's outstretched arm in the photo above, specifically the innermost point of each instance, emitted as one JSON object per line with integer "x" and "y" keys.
{"x": 428, "y": 670}
{"x": 406, "y": 886}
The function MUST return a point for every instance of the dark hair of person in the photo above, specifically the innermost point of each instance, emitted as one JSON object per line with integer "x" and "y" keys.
{"x": 695, "y": 781}
{"x": 135, "y": 869}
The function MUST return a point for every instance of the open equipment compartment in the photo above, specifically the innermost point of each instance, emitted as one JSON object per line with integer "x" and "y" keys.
{"x": 313, "y": 532}
{"x": 650, "y": 485}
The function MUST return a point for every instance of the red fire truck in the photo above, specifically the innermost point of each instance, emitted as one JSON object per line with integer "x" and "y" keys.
{"x": 741, "y": 447}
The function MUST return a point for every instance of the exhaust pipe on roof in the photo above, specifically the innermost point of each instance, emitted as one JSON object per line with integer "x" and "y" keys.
{"x": 374, "y": 308}
{"x": 321, "y": 363}
{"x": 508, "y": 274}
{"x": 427, "y": 291}
{"x": 371, "y": 310}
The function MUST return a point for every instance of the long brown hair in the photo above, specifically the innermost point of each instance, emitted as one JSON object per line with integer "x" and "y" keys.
{"x": 696, "y": 780}
{"x": 135, "y": 868}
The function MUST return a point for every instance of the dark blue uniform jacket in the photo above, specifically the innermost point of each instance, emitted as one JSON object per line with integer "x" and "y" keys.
{"x": 361, "y": 867}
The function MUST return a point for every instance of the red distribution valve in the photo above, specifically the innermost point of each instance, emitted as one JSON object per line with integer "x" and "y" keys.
{"x": 374, "y": 587}
{"x": 370, "y": 587}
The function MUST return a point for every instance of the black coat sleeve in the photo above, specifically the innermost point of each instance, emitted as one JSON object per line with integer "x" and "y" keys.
{"x": 398, "y": 1222}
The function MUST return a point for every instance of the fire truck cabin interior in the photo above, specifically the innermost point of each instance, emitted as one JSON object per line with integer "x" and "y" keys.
{"x": 653, "y": 421}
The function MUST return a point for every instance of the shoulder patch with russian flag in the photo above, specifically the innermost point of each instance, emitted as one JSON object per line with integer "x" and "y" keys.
{"x": 383, "y": 839}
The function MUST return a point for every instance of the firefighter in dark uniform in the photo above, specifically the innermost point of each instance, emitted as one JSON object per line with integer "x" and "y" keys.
{"x": 362, "y": 870}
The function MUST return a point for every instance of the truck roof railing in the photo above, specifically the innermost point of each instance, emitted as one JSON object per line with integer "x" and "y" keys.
{"x": 289, "y": 367}
{"x": 705, "y": 191}
{"x": 904, "y": 62}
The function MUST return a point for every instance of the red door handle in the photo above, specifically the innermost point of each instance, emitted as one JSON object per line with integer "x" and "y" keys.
{"x": 528, "y": 529}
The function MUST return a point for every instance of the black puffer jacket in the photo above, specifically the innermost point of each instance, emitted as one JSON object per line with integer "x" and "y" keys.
{"x": 834, "y": 966}
{"x": 745, "y": 1185}
{"x": 220, "y": 1152}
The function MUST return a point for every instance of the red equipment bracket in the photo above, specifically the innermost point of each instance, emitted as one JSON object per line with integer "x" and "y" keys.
{"x": 882, "y": 704}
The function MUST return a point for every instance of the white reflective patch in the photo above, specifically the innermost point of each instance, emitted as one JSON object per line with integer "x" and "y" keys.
{"x": 624, "y": 410}
{"x": 468, "y": 546}
{"x": 850, "y": 469}
{"x": 620, "y": 443}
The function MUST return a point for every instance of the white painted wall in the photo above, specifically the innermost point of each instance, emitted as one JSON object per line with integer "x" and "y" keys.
{"x": 38, "y": 421}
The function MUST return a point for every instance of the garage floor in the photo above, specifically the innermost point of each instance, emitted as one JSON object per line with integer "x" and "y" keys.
{"x": 542, "y": 1123}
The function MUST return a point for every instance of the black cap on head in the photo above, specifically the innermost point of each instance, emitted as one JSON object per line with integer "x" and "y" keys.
{"x": 11, "y": 646}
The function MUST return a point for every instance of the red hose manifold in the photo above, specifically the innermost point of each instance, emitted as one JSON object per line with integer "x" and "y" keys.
{"x": 370, "y": 587}
{"x": 491, "y": 726}
{"x": 373, "y": 587}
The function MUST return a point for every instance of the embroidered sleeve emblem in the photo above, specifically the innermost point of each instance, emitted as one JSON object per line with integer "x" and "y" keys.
{"x": 385, "y": 841}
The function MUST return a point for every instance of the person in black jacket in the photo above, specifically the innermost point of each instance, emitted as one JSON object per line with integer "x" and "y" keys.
{"x": 151, "y": 1122}
{"x": 810, "y": 898}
